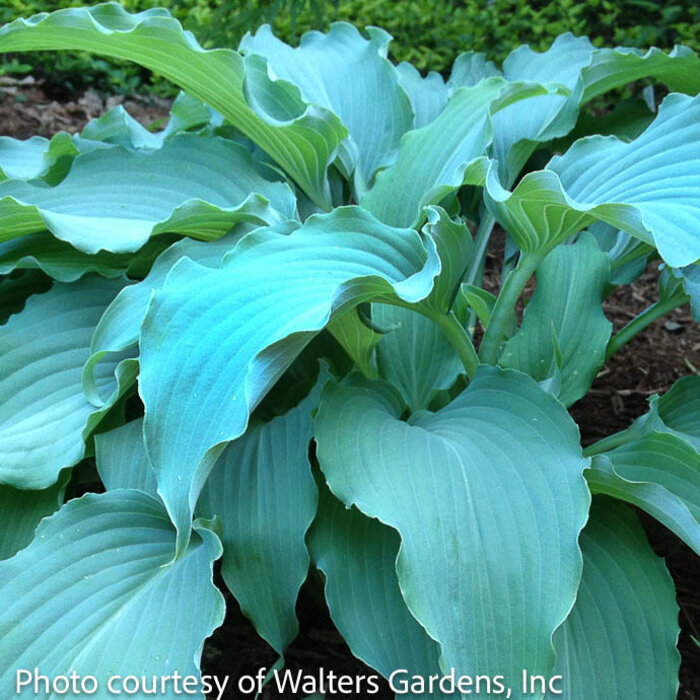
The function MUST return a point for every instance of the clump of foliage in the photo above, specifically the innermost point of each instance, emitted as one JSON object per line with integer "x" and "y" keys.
{"x": 256, "y": 330}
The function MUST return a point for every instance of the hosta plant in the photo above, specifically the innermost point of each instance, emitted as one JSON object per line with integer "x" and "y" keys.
{"x": 262, "y": 335}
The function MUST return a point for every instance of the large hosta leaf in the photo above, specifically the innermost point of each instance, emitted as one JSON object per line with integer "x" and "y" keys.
{"x": 118, "y": 328}
{"x": 659, "y": 473}
{"x": 45, "y": 417}
{"x": 351, "y": 76}
{"x": 357, "y": 556}
{"x": 301, "y": 138}
{"x": 21, "y": 511}
{"x": 564, "y": 329}
{"x": 214, "y": 341}
{"x": 114, "y": 199}
{"x": 262, "y": 490}
{"x": 620, "y": 639}
{"x": 488, "y": 498}
{"x": 647, "y": 187}
{"x": 97, "y": 593}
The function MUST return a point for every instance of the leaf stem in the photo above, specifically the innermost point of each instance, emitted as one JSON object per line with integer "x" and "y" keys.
{"x": 507, "y": 299}
{"x": 459, "y": 338}
{"x": 644, "y": 319}
{"x": 481, "y": 242}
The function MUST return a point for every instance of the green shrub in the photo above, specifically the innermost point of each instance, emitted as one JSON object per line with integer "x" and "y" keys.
{"x": 428, "y": 33}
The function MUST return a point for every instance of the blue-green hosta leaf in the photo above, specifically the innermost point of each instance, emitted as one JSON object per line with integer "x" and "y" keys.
{"x": 45, "y": 417}
{"x": 677, "y": 412}
{"x": 118, "y": 328}
{"x": 21, "y": 511}
{"x": 620, "y": 639}
{"x": 611, "y": 68}
{"x": 587, "y": 72}
{"x": 486, "y": 494}
{"x": 121, "y": 459}
{"x": 115, "y": 199}
{"x": 437, "y": 159}
{"x": 480, "y": 301}
{"x": 519, "y": 127}
{"x": 660, "y": 473}
{"x": 61, "y": 261}
{"x": 351, "y": 76}
{"x": 37, "y": 157}
{"x": 647, "y": 187}
{"x": 119, "y": 128}
{"x": 98, "y": 592}
{"x": 572, "y": 59}
{"x": 262, "y": 490}
{"x": 450, "y": 151}
{"x": 628, "y": 255}
{"x": 428, "y": 95}
{"x": 301, "y": 138}
{"x": 415, "y": 356}
{"x": 357, "y": 556}
{"x": 568, "y": 305}
{"x": 471, "y": 68}
{"x": 214, "y": 341}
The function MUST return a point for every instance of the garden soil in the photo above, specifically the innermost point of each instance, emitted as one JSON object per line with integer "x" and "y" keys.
{"x": 650, "y": 364}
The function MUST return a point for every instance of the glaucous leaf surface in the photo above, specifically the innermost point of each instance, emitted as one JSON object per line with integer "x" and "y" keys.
{"x": 428, "y": 94}
{"x": 659, "y": 473}
{"x": 620, "y": 638}
{"x": 437, "y": 159}
{"x": 677, "y": 412}
{"x": 45, "y": 417}
{"x": 646, "y": 187}
{"x": 351, "y": 76}
{"x": 99, "y": 576}
{"x": 262, "y": 490}
{"x": 414, "y": 356}
{"x": 121, "y": 459}
{"x": 485, "y": 492}
{"x": 357, "y": 556}
{"x": 564, "y": 329}
{"x": 115, "y": 199}
{"x": 210, "y": 350}
{"x": 119, "y": 326}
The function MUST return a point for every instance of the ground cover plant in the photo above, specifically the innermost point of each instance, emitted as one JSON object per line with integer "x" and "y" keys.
{"x": 263, "y": 331}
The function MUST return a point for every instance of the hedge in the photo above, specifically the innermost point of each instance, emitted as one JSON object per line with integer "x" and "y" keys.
{"x": 429, "y": 33}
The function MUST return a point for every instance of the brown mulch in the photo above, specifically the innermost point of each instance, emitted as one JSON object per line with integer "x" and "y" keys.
{"x": 26, "y": 110}
{"x": 649, "y": 364}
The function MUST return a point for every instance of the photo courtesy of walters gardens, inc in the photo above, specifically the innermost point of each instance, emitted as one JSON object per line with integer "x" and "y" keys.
{"x": 326, "y": 374}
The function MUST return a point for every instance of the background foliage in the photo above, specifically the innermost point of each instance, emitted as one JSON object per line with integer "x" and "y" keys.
{"x": 429, "y": 33}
